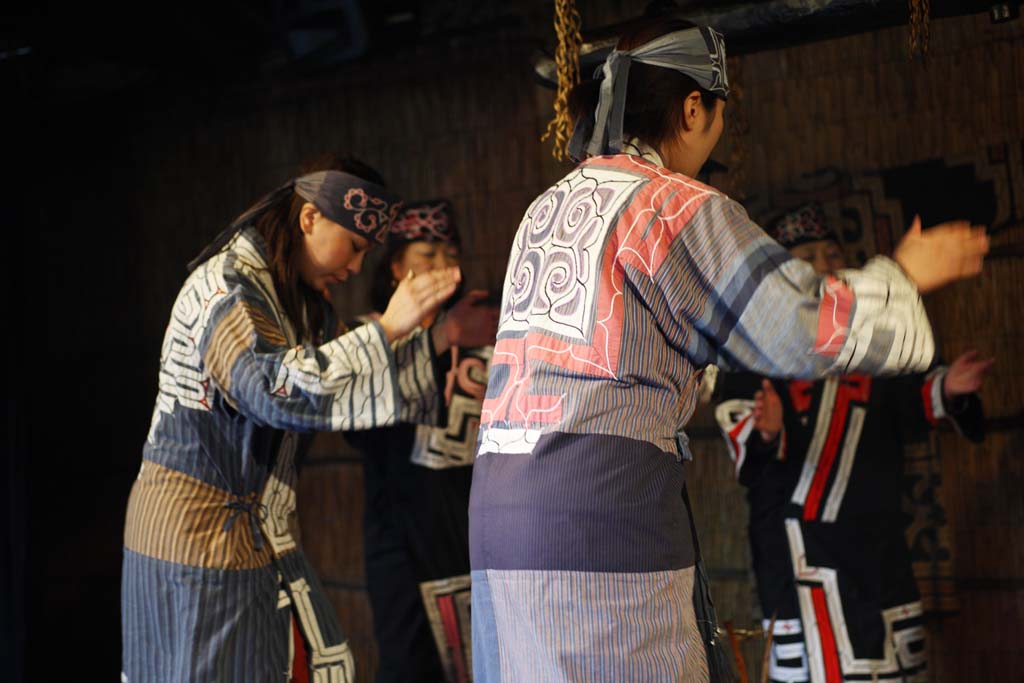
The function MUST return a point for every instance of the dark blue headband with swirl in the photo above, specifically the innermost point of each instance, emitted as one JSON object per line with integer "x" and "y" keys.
{"x": 698, "y": 52}
{"x": 365, "y": 208}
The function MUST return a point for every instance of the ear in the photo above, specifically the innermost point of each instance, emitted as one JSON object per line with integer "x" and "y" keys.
{"x": 693, "y": 111}
{"x": 396, "y": 269}
{"x": 307, "y": 216}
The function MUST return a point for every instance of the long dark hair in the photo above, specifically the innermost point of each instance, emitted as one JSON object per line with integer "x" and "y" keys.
{"x": 655, "y": 96}
{"x": 279, "y": 228}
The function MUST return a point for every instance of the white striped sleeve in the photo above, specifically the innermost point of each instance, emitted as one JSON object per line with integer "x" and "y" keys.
{"x": 416, "y": 376}
{"x": 888, "y": 331}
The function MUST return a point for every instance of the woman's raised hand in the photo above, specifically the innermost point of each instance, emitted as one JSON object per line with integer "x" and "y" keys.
{"x": 415, "y": 298}
{"x": 965, "y": 375}
{"x": 943, "y": 254}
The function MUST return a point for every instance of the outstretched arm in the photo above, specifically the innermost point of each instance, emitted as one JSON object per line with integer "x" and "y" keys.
{"x": 762, "y": 310}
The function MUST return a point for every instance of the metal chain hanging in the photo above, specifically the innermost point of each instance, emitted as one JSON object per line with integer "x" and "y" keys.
{"x": 920, "y": 15}
{"x": 567, "y": 61}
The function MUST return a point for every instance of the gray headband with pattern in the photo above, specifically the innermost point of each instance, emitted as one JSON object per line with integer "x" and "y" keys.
{"x": 698, "y": 52}
{"x": 365, "y": 208}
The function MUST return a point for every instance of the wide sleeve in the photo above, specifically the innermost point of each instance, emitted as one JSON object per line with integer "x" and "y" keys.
{"x": 734, "y": 414}
{"x": 922, "y": 406}
{"x": 354, "y": 381}
{"x": 755, "y": 307}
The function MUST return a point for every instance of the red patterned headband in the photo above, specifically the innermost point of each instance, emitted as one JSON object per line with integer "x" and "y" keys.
{"x": 805, "y": 224}
{"x": 428, "y": 221}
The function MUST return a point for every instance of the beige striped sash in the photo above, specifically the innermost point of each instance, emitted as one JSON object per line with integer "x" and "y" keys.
{"x": 177, "y": 518}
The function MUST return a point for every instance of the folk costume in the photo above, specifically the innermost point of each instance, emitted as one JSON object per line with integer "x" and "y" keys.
{"x": 826, "y": 527}
{"x": 215, "y": 584}
{"x": 625, "y": 280}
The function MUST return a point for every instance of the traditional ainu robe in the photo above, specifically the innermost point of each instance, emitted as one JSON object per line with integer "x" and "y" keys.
{"x": 826, "y": 524}
{"x": 213, "y": 570}
{"x": 624, "y": 281}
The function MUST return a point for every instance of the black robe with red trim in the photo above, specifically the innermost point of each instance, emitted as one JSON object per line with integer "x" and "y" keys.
{"x": 826, "y": 521}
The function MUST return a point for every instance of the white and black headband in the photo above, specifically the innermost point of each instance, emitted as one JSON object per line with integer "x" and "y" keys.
{"x": 698, "y": 52}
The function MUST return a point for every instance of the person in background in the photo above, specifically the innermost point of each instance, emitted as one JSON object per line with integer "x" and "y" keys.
{"x": 823, "y": 464}
{"x": 417, "y": 477}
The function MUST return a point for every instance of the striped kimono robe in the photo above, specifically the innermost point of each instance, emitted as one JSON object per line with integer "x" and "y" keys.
{"x": 624, "y": 281}
{"x": 213, "y": 572}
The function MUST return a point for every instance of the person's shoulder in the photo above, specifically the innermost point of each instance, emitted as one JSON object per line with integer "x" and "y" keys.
{"x": 682, "y": 197}
{"x": 238, "y": 272}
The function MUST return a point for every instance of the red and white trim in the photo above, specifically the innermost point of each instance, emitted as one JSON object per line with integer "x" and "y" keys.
{"x": 931, "y": 396}
{"x": 794, "y": 653}
{"x": 835, "y": 418}
{"x": 886, "y": 303}
{"x": 821, "y": 429}
{"x": 829, "y": 650}
{"x": 855, "y": 425}
{"x": 736, "y": 419}
{"x": 833, "y": 317}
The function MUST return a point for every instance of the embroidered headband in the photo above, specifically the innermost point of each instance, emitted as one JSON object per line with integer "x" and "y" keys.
{"x": 430, "y": 220}
{"x": 805, "y": 224}
{"x": 365, "y": 208}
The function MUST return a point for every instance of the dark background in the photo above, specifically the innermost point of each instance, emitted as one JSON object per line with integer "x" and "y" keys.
{"x": 134, "y": 132}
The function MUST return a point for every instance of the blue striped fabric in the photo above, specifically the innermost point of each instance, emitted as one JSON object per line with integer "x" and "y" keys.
{"x": 581, "y": 627}
{"x": 212, "y": 573}
{"x": 186, "y": 624}
{"x": 625, "y": 280}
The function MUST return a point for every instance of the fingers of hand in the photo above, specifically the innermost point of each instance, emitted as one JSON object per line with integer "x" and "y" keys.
{"x": 966, "y": 357}
{"x": 972, "y": 265}
{"x": 981, "y": 367}
{"x": 438, "y": 295}
{"x": 949, "y": 227}
{"x": 976, "y": 243}
{"x": 427, "y": 284}
{"x": 438, "y": 277}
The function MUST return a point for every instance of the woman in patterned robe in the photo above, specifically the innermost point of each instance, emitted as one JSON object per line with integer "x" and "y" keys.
{"x": 626, "y": 278}
{"x": 215, "y": 585}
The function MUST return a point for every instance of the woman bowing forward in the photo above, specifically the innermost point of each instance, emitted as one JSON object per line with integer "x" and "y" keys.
{"x": 215, "y": 584}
